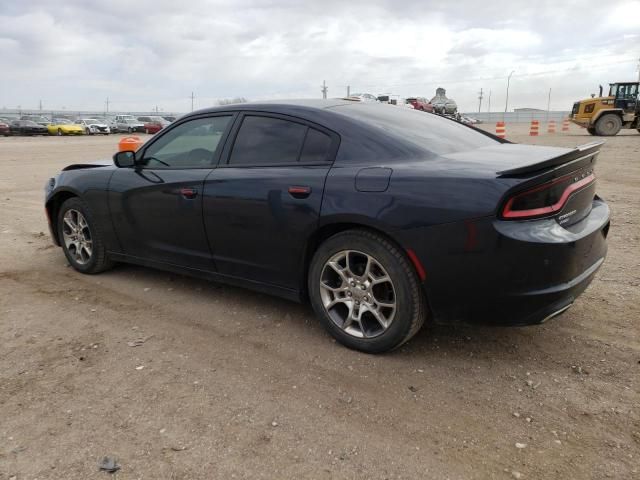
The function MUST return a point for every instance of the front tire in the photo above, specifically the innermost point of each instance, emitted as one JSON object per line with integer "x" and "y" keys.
{"x": 608, "y": 125}
{"x": 591, "y": 130}
{"x": 59, "y": 132}
{"x": 81, "y": 239}
{"x": 365, "y": 291}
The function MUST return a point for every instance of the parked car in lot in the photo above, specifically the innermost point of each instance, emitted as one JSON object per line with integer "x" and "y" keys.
{"x": 93, "y": 126}
{"x": 153, "y": 124}
{"x": 420, "y": 103}
{"x": 62, "y": 126}
{"x": 382, "y": 217}
{"x": 4, "y": 129}
{"x": 152, "y": 127}
{"x": 129, "y": 124}
{"x": 111, "y": 123}
{"x": 170, "y": 118}
{"x": 27, "y": 127}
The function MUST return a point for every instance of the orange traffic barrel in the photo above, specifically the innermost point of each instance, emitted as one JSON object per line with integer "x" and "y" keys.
{"x": 500, "y": 129}
{"x": 129, "y": 144}
{"x": 551, "y": 126}
{"x": 533, "y": 131}
{"x": 565, "y": 125}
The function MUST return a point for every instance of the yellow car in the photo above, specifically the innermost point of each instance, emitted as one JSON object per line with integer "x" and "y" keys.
{"x": 62, "y": 126}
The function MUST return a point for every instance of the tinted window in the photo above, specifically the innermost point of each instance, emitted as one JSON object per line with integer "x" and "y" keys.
{"x": 316, "y": 147}
{"x": 267, "y": 141}
{"x": 429, "y": 132}
{"x": 190, "y": 145}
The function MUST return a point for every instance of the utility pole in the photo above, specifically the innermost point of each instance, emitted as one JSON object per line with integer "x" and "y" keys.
{"x": 348, "y": 90}
{"x": 489, "y": 106}
{"x": 506, "y": 103}
{"x": 40, "y": 106}
{"x": 324, "y": 89}
{"x": 548, "y": 104}
{"x": 192, "y": 97}
{"x": 639, "y": 70}
{"x": 480, "y": 98}
{"x": 106, "y": 103}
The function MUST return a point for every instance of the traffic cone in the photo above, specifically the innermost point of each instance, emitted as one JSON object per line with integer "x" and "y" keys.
{"x": 501, "y": 129}
{"x": 533, "y": 131}
{"x": 551, "y": 126}
{"x": 565, "y": 125}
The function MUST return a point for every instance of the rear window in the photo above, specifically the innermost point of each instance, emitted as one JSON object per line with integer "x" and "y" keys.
{"x": 428, "y": 131}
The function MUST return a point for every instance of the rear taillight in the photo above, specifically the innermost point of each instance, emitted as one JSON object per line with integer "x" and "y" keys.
{"x": 546, "y": 199}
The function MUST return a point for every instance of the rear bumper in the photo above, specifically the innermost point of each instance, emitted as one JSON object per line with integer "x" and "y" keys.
{"x": 489, "y": 271}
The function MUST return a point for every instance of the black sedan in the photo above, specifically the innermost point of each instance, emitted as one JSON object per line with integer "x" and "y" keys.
{"x": 381, "y": 217}
{"x": 27, "y": 127}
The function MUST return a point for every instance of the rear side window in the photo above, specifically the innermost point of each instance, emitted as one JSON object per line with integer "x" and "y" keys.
{"x": 316, "y": 147}
{"x": 267, "y": 141}
{"x": 273, "y": 141}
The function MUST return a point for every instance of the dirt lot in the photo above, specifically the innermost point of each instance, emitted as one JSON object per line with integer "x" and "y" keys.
{"x": 234, "y": 384}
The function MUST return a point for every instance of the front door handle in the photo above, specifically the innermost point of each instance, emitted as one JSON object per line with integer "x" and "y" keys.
{"x": 189, "y": 193}
{"x": 299, "y": 191}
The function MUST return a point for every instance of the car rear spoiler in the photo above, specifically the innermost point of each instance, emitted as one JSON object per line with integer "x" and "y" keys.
{"x": 576, "y": 155}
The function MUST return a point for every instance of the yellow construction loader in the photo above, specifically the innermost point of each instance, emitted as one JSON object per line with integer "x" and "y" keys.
{"x": 605, "y": 116}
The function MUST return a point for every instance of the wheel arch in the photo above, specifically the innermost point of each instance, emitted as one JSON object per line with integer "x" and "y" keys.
{"x": 328, "y": 230}
{"x": 53, "y": 207}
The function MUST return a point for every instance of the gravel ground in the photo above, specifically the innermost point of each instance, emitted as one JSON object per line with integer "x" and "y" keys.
{"x": 233, "y": 384}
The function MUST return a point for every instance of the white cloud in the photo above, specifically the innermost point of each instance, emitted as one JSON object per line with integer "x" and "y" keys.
{"x": 76, "y": 54}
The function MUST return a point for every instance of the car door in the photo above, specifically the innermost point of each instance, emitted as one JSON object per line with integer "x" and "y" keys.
{"x": 263, "y": 201}
{"x": 156, "y": 206}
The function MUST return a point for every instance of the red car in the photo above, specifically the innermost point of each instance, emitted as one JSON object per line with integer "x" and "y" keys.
{"x": 4, "y": 129}
{"x": 420, "y": 103}
{"x": 152, "y": 127}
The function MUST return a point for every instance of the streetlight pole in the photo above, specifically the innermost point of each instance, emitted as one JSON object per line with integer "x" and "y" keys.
{"x": 506, "y": 103}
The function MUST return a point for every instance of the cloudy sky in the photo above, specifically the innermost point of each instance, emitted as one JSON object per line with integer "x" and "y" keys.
{"x": 146, "y": 53}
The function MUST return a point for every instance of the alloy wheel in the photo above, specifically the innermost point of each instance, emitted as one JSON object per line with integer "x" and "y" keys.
{"x": 358, "y": 294}
{"x": 77, "y": 236}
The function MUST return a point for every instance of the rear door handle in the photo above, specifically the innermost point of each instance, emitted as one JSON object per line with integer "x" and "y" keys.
{"x": 299, "y": 191}
{"x": 189, "y": 193}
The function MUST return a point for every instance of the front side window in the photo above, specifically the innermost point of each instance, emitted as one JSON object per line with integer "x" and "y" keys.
{"x": 192, "y": 144}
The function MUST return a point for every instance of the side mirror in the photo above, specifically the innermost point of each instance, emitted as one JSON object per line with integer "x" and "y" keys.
{"x": 125, "y": 159}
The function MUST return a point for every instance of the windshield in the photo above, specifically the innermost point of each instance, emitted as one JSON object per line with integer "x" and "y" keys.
{"x": 430, "y": 132}
{"x": 90, "y": 120}
{"x": 62, "y": 121}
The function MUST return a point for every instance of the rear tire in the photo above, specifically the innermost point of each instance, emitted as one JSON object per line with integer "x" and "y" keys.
{"x": 608, "y": 125}
{"x": 81, "y": 239}
{"x": 365, "y": 291}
